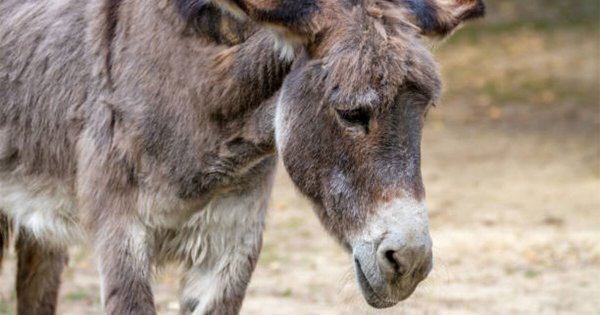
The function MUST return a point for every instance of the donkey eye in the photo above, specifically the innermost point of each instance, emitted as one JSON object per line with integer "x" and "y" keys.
{"x": 355, "y": 117}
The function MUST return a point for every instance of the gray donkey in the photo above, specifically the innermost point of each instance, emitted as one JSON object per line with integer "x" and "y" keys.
{"x": 151, "y": 130}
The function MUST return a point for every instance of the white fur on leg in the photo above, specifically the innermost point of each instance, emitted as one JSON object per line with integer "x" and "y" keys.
{"x": 229, "y": 236}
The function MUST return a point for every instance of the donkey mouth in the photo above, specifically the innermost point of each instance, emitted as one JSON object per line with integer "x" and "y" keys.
{"x": 368, "y": 292}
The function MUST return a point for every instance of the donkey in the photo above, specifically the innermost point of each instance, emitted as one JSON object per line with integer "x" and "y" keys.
{"x": 151, "y": 130}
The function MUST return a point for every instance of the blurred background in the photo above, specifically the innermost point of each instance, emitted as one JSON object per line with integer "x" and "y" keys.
{"x": 511, "y": 162}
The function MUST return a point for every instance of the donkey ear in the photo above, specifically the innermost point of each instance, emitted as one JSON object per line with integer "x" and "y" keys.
{"x": 293, "y": 15}
{"x": 438, "y": 18}
{"x": 294, "y": 21}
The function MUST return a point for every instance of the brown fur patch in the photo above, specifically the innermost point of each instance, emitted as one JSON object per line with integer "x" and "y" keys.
{"x": 4, "y": 235}
{"x": 38, "y": 275}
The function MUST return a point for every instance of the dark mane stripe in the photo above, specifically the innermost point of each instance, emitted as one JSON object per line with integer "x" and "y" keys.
{"x": 190, "y": 8}
{"x": 288, "y": 12}
{"x": 112, "y": 18}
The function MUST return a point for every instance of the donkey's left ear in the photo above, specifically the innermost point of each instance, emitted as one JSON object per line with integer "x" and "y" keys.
{"x": 438, "y": 18}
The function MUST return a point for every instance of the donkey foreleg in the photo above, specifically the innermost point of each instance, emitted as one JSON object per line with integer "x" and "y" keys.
{"x": 107, "y": 194}
{"x": 219, "y": 288}
{"x": 122, "y": 250}
{"x": 39, "y": 269}
{"x": 217, "y": 283}
{"x": 125, "y": 269}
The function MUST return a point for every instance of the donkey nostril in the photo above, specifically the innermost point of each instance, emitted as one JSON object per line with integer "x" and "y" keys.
{"x": 395, "y": 263}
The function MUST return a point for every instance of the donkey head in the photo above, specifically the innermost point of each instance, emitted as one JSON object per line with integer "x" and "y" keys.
{"x": 348, "y": 128}
{"x": 349, "y": 119}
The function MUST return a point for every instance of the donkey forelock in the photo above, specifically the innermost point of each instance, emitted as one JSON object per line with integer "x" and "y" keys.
{"x": 367, "y": 55}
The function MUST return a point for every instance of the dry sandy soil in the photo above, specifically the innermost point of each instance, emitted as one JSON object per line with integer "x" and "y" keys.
{"x": 511, "y": 161}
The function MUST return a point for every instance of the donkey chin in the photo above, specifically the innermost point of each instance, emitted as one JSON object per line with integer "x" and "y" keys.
{"x": 392, "y": 254}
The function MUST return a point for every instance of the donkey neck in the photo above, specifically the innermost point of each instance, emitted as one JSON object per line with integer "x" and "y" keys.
{"x": 179, "y": 56}
{"x": 204, "y": 109}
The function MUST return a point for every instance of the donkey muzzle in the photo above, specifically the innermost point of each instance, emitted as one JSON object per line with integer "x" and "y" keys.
{"x": 393, "y": 254}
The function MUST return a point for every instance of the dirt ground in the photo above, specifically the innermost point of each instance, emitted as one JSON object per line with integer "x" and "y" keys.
{"x": 511, "y": 162}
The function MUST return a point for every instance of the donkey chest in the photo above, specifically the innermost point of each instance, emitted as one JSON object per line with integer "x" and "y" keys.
{"x": 49, "y": 209}
{"x": 162, "y": 206}
{"x": 229, "y": 220}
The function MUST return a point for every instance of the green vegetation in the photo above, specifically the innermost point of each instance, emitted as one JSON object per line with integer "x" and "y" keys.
{"x": 509, "y": 16}
{"x": 543, "y": 12}
{"x": 526, "y": 53}
{"x": 79, "y": 295}
{"x": 6, "y": 308}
